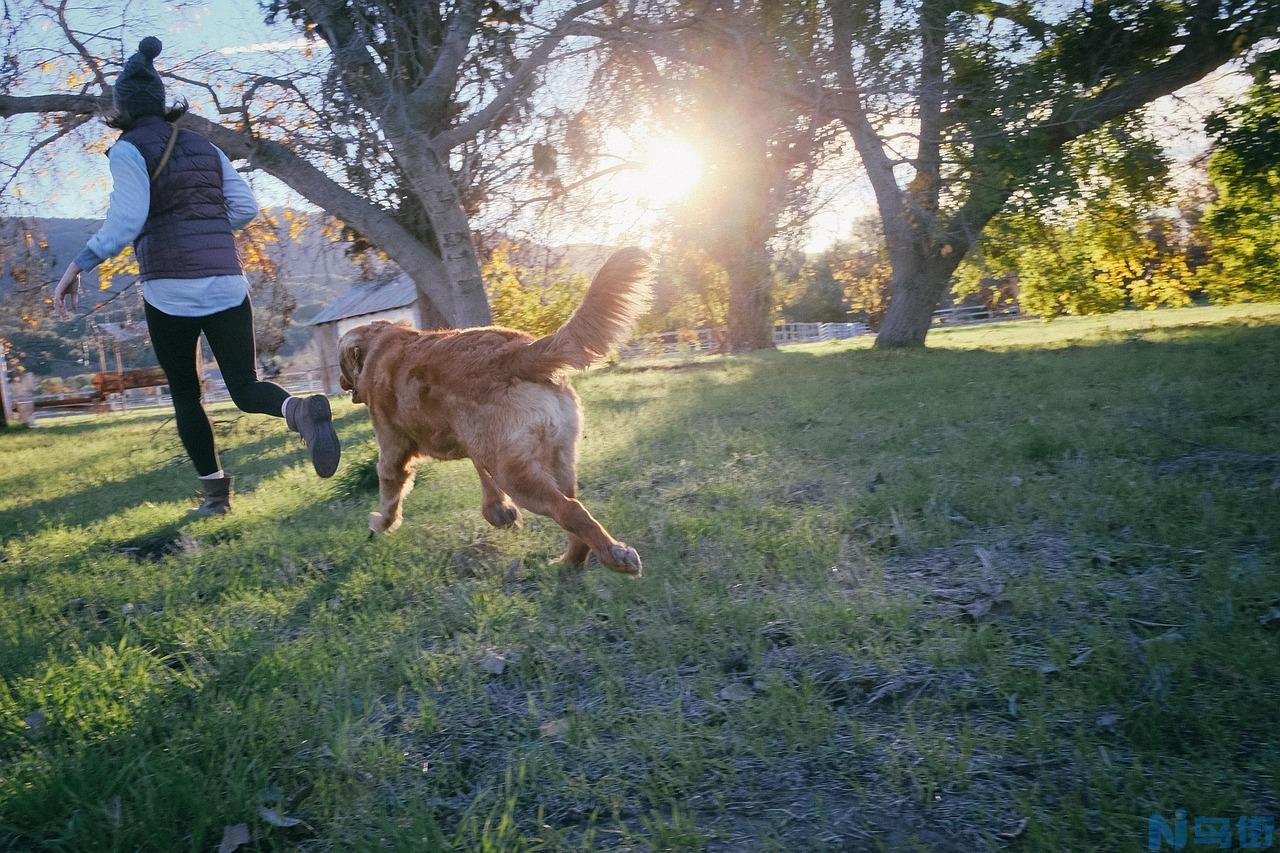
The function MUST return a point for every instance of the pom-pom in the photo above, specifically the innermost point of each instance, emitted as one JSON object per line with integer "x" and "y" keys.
{"x": 149, "y": 47}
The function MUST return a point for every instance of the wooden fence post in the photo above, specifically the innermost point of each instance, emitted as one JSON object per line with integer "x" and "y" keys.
{"x": 6, "y": 405}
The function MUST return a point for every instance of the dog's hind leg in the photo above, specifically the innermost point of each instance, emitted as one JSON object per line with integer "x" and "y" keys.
{"x": 497, "y": 507}
{"x": 534, "y": 488}
{"x": 395, "y": 480}
{"x": 566, "y": 473}
{"x": 576, "y": 553}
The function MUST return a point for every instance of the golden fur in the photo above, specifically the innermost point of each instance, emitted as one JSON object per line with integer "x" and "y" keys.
{"x": 501, "y": 399}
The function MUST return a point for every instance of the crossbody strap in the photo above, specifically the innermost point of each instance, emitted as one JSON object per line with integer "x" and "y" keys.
{"x": 168, "y": 149}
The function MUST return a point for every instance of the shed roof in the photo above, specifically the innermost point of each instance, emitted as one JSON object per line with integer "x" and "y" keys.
{"x": 369, "y": 299}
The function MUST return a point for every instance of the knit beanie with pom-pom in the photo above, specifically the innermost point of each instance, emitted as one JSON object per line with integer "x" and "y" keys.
{"x": 139, "y": 90}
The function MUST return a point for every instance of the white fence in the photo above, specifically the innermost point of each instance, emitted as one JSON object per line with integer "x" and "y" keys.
{"x": 963, "y": 315}
{"x": 708, "y": 341}
{"x": 659, "y": 344}
{"x": 215, "y": 391}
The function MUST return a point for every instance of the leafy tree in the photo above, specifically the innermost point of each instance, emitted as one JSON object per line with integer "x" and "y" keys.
{"x": 691, "y": 291}
{"x": 1092, "y": 258}
{"x": 984, "y": 99}
{"x": 525, "y": 299}
{"x": 720, "y": 74}
{"x": 1243, "y": 223}
{"x": 818, "y": 296}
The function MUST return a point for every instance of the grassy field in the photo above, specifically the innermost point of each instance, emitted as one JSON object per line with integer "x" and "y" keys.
{"x": 1019, "y": 591}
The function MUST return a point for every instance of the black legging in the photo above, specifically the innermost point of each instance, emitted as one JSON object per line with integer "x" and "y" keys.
{"x": 230, "y": 336}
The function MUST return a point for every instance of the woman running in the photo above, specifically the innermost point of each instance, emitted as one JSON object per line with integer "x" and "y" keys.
{"x": 176, "y": 197}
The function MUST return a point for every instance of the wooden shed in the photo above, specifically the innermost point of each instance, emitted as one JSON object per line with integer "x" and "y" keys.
{"x": 395, "y": 300}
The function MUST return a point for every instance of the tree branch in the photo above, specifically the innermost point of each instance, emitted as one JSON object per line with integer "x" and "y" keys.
{"x": 1018, "y": 13}
{"x": 72, "y": 124}
{"x": 89, "y": 59}
{"x": 517, "y": 82}
{"x": 847, "y": 106}
{"x": 432, "y": 97}
{"x": 1203, "y": 52}
{"x": 924, "y": 187}
{"x": 273, "y": 158}
{"x": 350, "y": 50}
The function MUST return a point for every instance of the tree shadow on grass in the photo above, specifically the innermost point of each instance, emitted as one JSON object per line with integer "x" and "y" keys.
{"x": 71, "y": 807}
{"x": 852, "y": 411}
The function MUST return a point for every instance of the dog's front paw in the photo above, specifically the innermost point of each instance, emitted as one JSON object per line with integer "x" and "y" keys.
{"x": 378, "y": 523}
{"x": 502, "y": 514}
{"x": 622, "y": 559}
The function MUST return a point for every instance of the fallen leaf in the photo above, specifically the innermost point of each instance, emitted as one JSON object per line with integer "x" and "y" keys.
{"x": 1270, "y": 618}
{"x": 493, "y": 662}
{"x": 114, "y": 810}
{"x": 1048, "y": 668}
{"x": 234, "y": 837}
{"x": 1106, "y": 721}
{"x": 984, "y": 556}
{"x": 554, "y": 728}
{"x": 274, "y": 818}
{"x": 779, "y": 632}
{"x": 736, "y": 692}
{"x": 808, "y": 491}
{"x": 1015, "y": 480}
{"x": 1019, "y": 828}
{"x": 35, "y": 722}
{"x": 1013, "y": 705}
{"x": 899, "y": 685}
{"x": 1079, "y": 659}
{"x": 979, "y": 608}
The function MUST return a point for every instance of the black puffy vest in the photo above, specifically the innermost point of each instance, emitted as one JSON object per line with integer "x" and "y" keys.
{"x": 186, "y": 234}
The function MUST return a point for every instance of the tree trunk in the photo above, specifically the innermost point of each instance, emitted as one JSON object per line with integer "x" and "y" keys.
{"x": 750, "y": 288}
{"x": 916, "y": 286}
{"x": 428, "y": 174}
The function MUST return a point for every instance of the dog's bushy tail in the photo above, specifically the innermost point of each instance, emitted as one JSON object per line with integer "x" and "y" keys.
{"x": 618, "y": 295}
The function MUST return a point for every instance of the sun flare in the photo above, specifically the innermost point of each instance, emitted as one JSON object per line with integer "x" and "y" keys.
{"x": 669, "y": 169}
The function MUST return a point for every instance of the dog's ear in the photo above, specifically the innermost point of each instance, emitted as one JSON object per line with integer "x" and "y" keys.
{"x": 350, "y": 366}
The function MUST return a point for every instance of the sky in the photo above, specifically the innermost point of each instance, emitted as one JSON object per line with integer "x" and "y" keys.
{"x": 76, "y": 184}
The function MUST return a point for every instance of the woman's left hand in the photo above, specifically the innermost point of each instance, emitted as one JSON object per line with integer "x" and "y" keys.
{"x": 66, "y": 296}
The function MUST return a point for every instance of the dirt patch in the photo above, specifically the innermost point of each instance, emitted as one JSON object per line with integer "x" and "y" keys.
{"x": 804, "y": 492}
{"x": 1225, "y": 463}
{"x": 156, "y": 547}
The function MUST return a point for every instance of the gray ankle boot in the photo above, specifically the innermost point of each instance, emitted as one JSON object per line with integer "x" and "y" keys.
{"x": 312, "y": 419}
{"x": 217, "y": 496}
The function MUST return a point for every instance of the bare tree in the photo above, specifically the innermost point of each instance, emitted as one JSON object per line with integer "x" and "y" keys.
{"x": 384, "y": 134}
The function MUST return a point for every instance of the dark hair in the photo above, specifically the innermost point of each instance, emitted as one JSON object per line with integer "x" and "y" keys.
{"x": 121, "y": 120}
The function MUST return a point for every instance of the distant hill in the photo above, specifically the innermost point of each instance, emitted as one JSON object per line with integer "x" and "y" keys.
{"x": 316, "y": 268}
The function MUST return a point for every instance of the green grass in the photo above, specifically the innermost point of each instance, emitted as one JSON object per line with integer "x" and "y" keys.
{"x": 1007, "y": 593}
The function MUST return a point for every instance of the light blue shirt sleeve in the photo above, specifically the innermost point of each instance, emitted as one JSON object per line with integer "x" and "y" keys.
{"x": 127, "y": 211}
{"x": 242, "y": 204}
{"x": 131, "y": 202}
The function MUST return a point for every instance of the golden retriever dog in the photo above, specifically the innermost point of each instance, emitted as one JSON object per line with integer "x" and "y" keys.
{"x": 501, "y": 399}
